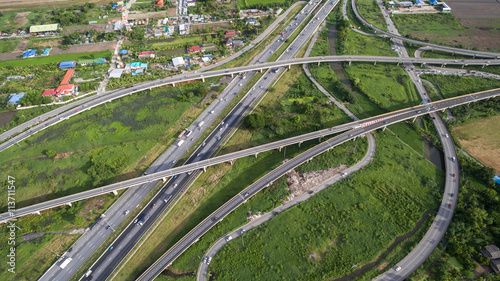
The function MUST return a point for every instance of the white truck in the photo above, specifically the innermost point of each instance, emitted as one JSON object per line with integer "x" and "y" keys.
{"x": 65, "y": 262}
{"x": 201, "y": 123}
{"x": 179, "y": 143}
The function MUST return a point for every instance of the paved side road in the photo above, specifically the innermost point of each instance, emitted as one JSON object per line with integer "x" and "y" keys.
{"x": 203, "y": 268}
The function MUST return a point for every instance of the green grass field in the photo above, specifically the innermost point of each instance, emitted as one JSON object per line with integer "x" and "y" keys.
{"x": 114, "y": 137}
{"x": 349, "y": 223}
{"x": 181, "y": 40}
{"x": 54, "y": 59}
{"x": 451, "y": 86}
{"x": 8, "y": 46}
{"x": 370, "y": 11}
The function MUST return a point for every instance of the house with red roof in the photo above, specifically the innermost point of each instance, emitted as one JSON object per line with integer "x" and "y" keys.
{"x": 63, "y": 90}
{"x": 194, "y": 49}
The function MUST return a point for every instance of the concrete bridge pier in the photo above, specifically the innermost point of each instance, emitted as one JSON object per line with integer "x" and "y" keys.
{"x": 173, "y": 84}
{"x": 289, "y": 66}
{"x": 280, "y": 148}
{"x": 415, "y": 118}
{"x": 349, "y": 62}
{"x": 463, "y": 65}
{"x": 69, "y": 204}
{"x": 115, "y": 192}
{"x": 232, "y": 75}
{"x": 375, "y": 63}
{"x": 164, "y": 179}
{"x": 37, "y": 213}
{"x": 300, "y": 143}
{"x": 256, "y": 155}
{"x": 260, "y": 70}
{"x": 474, "y": 56}
{"x": 319, "y": 139}
{"x": 204, "y": 169}
{"x": 231, "y": 162}
{"x": 319, "y": 63}
{"x": 384, "y": 128}
{"x": 202, "y": 79}
{"x": 398, "y": 63}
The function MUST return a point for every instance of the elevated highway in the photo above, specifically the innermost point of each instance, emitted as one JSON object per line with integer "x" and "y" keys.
{"x": 64, "y": 115}
{"x": 430, "y": 46}
{"x": 392, "y": 117}
{"x": 365, "y": 126}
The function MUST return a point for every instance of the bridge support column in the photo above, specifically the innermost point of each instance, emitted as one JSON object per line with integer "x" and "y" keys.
{"x": 375, "y": 63}
{"x": 69, "y": 204}
{"x": 232, "y": 75}
{"x": 421, "y": 65}
{"x": 289, "y": 66}
{"x": 398, "y": 63}
{"x": 318, "y": 63}
{"x": 256, "y": 155}
{"x": 231, "y": 162}
{"x": 384, "y": 128}
{"x": 164, "y": 179}
{"x": 280, "y": 148}
{"x": 442, "y": 65}
{"x": 150, "y": 89}
{"x": 319, "y": 139}
{"x": 260, "y": 70}
{"x": 349, "y": 62}
{"x": 299, "y": 143}
{"x": 463, "y": 65}
{"x": 38, "y": 213}
{"x": 474, "y": 56}
{"x": 414, "y": 118}
{"x": 114, "y": 192}
{"x": 173, "y": 84}
{"x": 204, "y": 169}
{"x": 203, "y": 79}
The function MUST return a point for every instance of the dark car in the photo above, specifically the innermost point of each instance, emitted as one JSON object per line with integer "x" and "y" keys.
{"x": 449, "y": 205}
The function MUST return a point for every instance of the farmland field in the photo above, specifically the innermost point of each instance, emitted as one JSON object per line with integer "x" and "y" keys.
{"x": 481, "y": 138}
{"x": 253, "y": 2}
{"x": 8, "y": 46}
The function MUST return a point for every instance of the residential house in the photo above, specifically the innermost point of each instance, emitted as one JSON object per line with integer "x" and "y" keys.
{"x": 146, "y": 55}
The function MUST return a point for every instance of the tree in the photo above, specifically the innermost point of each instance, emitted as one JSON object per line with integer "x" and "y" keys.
{"x": 254, "y": 121}
{"x": 49, "y": 153}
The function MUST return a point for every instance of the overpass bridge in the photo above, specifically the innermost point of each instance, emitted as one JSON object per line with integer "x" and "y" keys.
{"x": 233, "y": 71}
{"x": 382, "y": 120}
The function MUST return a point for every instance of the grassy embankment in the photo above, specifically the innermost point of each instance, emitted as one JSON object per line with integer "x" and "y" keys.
{"x": 97, "y": 147}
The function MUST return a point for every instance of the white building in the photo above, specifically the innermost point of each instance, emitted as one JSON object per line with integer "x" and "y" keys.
{"x": 178, "y": 61}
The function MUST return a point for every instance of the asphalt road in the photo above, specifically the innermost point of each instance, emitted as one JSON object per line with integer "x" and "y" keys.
{"x": 430, "y": 45}
{"x": 67, "y": 111}
{"x": 203, "y": 268}
{"x": 366, "y": 127}
{"x": 438, "y": 228}
{"x": 111, "y": 259}
{"x": 84, "y": 247}
{"x": 414, "y": 112}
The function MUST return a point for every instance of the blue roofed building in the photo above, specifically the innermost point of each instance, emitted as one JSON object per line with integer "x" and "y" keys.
{"x": 419, "y": 2}
{"x": 15, "y": 98}
{"x": 433, "y": 2}
{"x": 66, "y": 64}
{"x": 123, "y": 52}
{"x": 496, "y": 179}
{"x": 29, "y": 53}
{"x": 46, "y": 52}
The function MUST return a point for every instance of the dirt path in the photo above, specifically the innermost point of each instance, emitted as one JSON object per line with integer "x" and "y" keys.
{"x": 21, "y": 46}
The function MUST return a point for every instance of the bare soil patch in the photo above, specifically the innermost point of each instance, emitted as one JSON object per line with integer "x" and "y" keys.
{"x": 98, "y": 27}
{"x": 150, "y": 15}
{"x": 481, "y": 139}
{"x": 485, "y": 24}
{"x": 475, "y": 9}
{"x": 92, "y": 205}
{"x": 486, "y": 40}
{"x": 21, "y": 19}
{"x": 383, "y": 265}
{"x": 52, "y": 43}
{"x": 21, "y": 46}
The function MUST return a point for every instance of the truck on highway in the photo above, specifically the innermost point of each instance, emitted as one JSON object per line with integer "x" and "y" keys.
{"x": 282, "y": 33}
{"x": 143, "y": 221}
{"x": 65, "y": 262}
{"x": 167, "y": 197}
{"x": 201, "y": 123}
{"x": 179, "y": 143}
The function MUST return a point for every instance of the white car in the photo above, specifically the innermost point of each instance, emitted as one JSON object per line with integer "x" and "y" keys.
{"x": 397, "y": 268}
